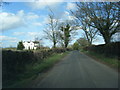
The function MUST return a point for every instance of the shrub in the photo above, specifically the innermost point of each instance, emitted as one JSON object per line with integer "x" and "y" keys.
{"x": 20, "y": 46}
{"x": 110, "y": 50}
{"x": 14, "y": 62}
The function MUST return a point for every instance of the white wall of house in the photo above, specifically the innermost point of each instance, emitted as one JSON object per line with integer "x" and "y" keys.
{"x": 30, "y": 45}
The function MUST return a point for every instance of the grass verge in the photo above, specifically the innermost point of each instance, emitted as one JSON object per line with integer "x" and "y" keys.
{"x": 110, "y": 61}
{"x": 33, "y": 70}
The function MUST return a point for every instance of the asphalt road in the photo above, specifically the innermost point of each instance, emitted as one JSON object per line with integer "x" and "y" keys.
{"x": 79, "y": 71}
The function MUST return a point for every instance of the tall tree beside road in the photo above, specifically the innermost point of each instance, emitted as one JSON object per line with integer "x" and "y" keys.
{"x": 104, "y": 16}
{"x": 67, "y": 29}
{"x": 90, "y": 33}
{"x": 66, "y": 34}
{"x": 52, "y": 30}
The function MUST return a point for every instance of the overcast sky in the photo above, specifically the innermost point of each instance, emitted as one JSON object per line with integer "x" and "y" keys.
{"x": 26, "y": 20}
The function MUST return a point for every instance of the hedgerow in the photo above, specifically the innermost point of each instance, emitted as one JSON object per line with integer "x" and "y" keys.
{"x": 14, "y": 62}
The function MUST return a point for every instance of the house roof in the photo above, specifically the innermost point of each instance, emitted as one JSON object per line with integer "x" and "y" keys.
{"x": 32, "y": 41}
{"x": 35, "y": 41}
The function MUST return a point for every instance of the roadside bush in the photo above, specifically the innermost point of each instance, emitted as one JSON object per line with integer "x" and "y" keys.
{"x": 75, "y": 46}
{"x": 58, "y": 50}
{"x": 111, "y": 50}
{"x": 14, "y": 62}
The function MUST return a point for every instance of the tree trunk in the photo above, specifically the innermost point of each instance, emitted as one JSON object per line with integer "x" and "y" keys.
{"x": 66, "y": 45}
{"x": 54, "y": 45}
{"x": 106, "y": 38}
{"x": 66, "y": 42}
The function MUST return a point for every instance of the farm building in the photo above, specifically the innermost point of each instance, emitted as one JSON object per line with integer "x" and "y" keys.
{"x": 31, "y": 45}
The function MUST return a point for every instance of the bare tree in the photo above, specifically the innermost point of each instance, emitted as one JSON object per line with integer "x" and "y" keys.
{"x": 51, "y": 31}
{"x": 104, "y": 16}
{"x": 39, "y": 42}
{"x": 90, "y": 33}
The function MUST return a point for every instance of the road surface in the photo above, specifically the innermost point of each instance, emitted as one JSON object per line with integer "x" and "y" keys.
{"x": 79, "y": 71}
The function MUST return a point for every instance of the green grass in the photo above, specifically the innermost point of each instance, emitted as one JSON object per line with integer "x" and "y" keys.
{"x": 48, "y": 62}
{"x": 32, "y": 70}
{"x": 111, "y": 61}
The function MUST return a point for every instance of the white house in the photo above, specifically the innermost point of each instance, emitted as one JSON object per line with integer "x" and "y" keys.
{"x": 30, "y": 44}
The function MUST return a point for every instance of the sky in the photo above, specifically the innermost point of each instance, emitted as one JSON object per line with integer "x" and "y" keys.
{"x": 26, "y": 20}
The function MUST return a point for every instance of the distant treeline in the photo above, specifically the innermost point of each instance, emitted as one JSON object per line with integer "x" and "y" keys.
{"x": 14, "y": 62}
{"x": 111, "y": 49}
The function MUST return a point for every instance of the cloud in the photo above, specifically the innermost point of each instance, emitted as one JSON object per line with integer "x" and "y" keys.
{"x": 12, "y": 21}
{"x": 7, "y": 38}
{"x": 98, "y": 40}
{"x": 70, "y": 6}
{"x": 66, "y": 13}
{"x": 67, "y": 16}
{"x": 19, "y": 33}
{"x": 29, "y": 35}
{"x": 7, "y": 41}
{"x": 32, "y": 16}
{"x": 37, "y": 24}
{"x": 34, "y": 34}
{"x": 43, "y": 4}
{"x": 71, "y": 18}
